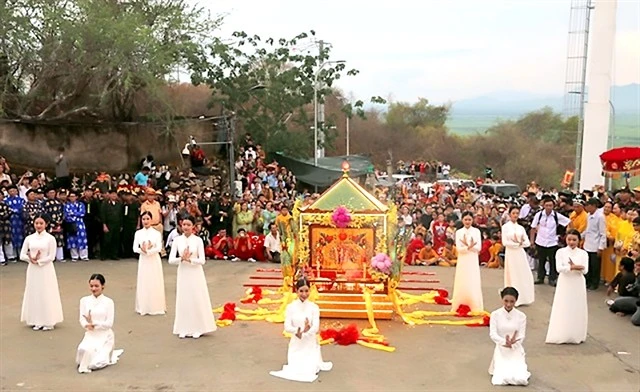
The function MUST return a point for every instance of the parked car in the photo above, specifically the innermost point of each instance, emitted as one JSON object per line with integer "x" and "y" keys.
{"x": 505, "y": 190}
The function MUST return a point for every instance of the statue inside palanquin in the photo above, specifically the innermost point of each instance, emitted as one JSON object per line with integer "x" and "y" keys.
{"x": 343, "y": 251}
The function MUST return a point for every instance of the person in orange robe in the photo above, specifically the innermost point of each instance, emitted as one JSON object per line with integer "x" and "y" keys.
{"x": 494, "y": 252}
{"x": 449, "y": 256}
{"x": 428, "y": 255}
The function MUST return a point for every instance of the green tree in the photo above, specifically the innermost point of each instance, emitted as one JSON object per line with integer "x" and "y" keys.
{"x": 270, "y": 87}
{"x": 420, "y": 114}
{"x": 69, "y": 59}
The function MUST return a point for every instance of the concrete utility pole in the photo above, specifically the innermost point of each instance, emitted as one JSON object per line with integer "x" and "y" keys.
{"x": 321, "y": 136}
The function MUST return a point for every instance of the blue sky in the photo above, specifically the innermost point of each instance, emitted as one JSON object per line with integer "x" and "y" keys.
{"x": 438, "y": 49}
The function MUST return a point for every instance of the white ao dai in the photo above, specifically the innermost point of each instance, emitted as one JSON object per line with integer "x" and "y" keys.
{"x": 467, "y": 286}
{"x": 96, "y": 349}
{"x": 194, "y": 315}
{"x": 517, "y": 271}
{"x": 569, "y": 313}
{"x": 150, "y": 298}
{"x": 508, "y": 365}
{"x": 304, "y": 359}
{"x": 41, "y": 304}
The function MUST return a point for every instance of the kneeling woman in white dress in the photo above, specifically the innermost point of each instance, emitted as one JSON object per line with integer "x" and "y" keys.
{"x": 569, "y": 313}
{"x": 302, "y": 320}
{"x": 194, "y": 316}
{"x": 507, "y": 329}
{"x": 41, "y": 305}
{"x": 150, "y": 286}
{"x": 517, "y": 272}
{"x": 467, "y": 287}
{"x": 96, "y": 317}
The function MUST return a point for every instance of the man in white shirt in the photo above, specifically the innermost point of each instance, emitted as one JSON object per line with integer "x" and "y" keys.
{"x": 544, "y": 234}
{"x": 272, "y": 244}
{"x": 595, "y": 241}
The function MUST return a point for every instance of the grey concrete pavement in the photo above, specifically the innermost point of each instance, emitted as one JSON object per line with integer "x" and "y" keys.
{"x": 239, "y": 357}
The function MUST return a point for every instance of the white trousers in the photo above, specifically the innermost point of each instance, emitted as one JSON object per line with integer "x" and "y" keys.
{"x": 59, "y": 253}
{"x": 83, "y": 254}
{"x": 6, "y": 252}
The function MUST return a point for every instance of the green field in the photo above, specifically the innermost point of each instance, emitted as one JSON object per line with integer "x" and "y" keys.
{"x": 627, "y": 126}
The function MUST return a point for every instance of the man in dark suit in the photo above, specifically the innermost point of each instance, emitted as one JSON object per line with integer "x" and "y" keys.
{"x": 111, "y": 216}
{"x": 131, "y": 215}
{"x": 92, "y": 220}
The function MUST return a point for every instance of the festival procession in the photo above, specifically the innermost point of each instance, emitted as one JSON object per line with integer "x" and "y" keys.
{"x": 185, "y": 208}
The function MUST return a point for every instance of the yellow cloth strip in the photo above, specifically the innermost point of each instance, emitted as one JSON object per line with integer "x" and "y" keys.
{"x": 375, "y": 346}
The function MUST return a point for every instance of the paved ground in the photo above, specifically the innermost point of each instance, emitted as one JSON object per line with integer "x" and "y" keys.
{"x": 238, "y": 358}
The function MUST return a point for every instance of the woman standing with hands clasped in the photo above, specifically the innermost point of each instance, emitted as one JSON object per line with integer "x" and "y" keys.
{"x": 194, "y": 316}
{"x": 467, "y": 287}
{"x": 147, "y": 242}
{"x": 569, "y": 314}
{"x": 517, "y": 272}
{"x": 507, "y": 329}
{"x": 41, "y": 305}
{"x": 97, "y": 314}
{"x": 302, "y": 320}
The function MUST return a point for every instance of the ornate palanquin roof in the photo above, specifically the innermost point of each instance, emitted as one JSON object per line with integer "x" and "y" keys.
{"x": 346, "y": 192}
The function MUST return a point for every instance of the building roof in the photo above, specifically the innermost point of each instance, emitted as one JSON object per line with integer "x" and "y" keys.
{"x": 346, "y": 192}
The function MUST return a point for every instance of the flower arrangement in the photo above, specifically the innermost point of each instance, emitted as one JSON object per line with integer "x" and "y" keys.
{"x": 381, "y": 266}
{"x": 341, "y": 217}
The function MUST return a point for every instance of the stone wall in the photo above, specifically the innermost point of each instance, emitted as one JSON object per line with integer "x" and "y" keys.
{"x": 111, "y": 148}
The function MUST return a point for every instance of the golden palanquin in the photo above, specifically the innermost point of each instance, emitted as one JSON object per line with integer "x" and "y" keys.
{"x": 338, "y": 258}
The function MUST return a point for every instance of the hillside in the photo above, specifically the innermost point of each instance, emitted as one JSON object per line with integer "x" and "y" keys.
{"x": 478, "y": 114}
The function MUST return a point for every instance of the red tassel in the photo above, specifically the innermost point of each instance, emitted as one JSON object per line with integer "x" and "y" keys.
{"x": 348, "y": 335}
{"x": 463, "y": 311}
{"x": 441, "y": 301}
{"x": 329, "y": 333}
{"x": 254, "y": 296}
{"x": 228, "y": 311}
{"x": 443, "y": 293}
{"x": 344, "y": 336}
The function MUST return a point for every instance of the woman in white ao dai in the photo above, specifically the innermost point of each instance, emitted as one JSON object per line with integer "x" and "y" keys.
{"x": 97, "y": 314}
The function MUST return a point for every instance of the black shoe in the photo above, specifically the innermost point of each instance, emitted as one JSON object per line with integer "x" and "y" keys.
{"x": 553, "y": 283}
{"x": 539, "y": 281}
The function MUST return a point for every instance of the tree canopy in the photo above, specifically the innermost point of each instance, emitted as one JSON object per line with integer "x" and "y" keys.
{"x": 270, "y": 87}
{"x": 73, "y": 59}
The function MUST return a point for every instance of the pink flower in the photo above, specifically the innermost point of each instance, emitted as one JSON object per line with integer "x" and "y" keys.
{"x": 341, "y": 217}
{"x": 381, "y": 262}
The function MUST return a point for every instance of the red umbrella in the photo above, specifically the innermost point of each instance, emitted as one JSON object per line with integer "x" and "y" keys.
{"x": 621, "y": 161}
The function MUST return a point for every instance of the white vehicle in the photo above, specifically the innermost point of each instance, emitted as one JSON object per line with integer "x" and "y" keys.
{"x": 456, "y": 183}
{"x": 397, "y": 177}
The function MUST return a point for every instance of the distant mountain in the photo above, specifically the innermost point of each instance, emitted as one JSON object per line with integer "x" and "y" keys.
{"x": 626, "y": 99}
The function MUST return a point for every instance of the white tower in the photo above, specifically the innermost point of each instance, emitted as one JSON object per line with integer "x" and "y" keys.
{"x": 597, "y": 109}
